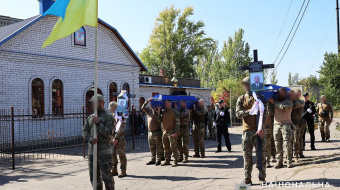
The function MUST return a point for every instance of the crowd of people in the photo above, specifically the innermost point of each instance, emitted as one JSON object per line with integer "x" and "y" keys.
{"x": 278, "y": 137}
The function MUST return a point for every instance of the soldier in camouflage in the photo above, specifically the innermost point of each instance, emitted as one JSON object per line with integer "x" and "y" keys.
{"x": 250, "y": 132}
{"x": 301, "y": 124}
{"x": 155, "y": 134}
{"x": 296, "y": 119}
{"x": 325, "y": 112}
{"x": 211, "y": 128}
{"x": 283, "y": 128}
{"x": 198, "y": 129}
{"x": 119, "y": 143}
{"x": 105, "y": 127}
{"x": 269, "y": 124}
{"x": 183, "y": 134}
{"x": 170, "y": 125}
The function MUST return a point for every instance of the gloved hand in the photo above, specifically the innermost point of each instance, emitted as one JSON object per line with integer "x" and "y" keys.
{"x": 309, "y": 110}
{"x": 222, "y": 113}
{"x": 214, "y": 124}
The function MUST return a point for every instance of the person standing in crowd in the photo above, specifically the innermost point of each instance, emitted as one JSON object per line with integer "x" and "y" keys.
{"x": 210, "y": 122}
{"x": 283, "y": 127}
{"x": 155, "y": 134}
{"x": 221, "y": 122}
{"x": 308, "y": 115}
{"x": 325, "y": 112}
{"x": 170, "y": 125}
{"x": 183, "y": 134}
{"x": 119, "y": 142}
{"x": 296, "y": 119}
{"x": 302, "y": 124}
{"x": 105, "y": 124}
{"x": 250, "y": 131}
{"x": 198, "y": 129}
{"x": 269, "y": 124}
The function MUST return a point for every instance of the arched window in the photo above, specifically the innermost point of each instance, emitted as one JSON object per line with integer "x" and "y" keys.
{"x": 141, "y": 102}
{"x": 113, "y": 92}
{"x": 57, "y": 97}
{"x": 89, "y": 95}
{"x": 126, "y": 87}
{"x": 80, "y": 37}
{"x": 37, "y": 97}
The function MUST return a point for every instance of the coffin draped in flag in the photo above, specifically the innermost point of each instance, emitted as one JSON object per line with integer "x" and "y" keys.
{"x": 271, "y": 91}
{"x": 73, "y": 15}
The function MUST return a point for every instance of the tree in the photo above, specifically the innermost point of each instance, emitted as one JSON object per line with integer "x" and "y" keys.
{"x": 311, "y": 80}
{"x": 330, "y": 78}
{"x": 293, "y": 80}
{"x": 273, "y": 79}
{"x": 175, "y": 43}
{"x": 235, "y": 53}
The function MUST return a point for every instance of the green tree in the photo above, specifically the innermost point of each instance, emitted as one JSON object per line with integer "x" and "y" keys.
{"x": 311, "y": 80}
{"x": 235, "y": 53}
{"x": 293, "y": 80}
{"x": 273, "y": 79}
{"x": 330, "y": 78}
{"x": 175, "y": 43}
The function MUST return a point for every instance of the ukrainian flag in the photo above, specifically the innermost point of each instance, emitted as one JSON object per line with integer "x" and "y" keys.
{"x": 73, "y": 15}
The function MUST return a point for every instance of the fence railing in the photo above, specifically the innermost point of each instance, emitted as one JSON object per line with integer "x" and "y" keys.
{"x": 27, "y": 137}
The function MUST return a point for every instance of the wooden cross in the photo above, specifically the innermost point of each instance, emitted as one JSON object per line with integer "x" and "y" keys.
{"x": 256, "y": 66}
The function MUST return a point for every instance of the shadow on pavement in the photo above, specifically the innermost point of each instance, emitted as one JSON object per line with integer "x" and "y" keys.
{"x": 171, "y": 178}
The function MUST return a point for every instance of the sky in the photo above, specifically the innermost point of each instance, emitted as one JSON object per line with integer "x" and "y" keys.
{"x": 262, "y": 21}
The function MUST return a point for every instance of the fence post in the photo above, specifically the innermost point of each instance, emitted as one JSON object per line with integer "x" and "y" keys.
{"x": 12, "y": 128}
{"x": 231, "y": 111}
{"x": 133, "y": 127}
{"x": 83, "y": 125}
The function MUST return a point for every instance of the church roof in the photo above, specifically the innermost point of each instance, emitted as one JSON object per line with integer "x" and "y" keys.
{"x": 10, "y": 31}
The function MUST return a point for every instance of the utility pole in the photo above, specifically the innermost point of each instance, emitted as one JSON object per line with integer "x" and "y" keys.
{"x": 337, "y": 23}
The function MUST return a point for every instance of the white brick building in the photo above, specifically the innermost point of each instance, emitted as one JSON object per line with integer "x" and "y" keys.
{"x": 22, "y": 60}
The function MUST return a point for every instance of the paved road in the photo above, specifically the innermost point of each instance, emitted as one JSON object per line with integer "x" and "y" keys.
{"x": 216, "y": 171}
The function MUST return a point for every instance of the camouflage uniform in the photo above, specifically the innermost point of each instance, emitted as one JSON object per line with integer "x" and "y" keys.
{"x": 269, "y": 131}
{"x": 120, "y": 147}
{"x": 212, "y": 132}
{"x": 104, "y": 135}
{"x": 324, "y": 122}
{"x": 155, "y": 133}
{"x": 249, "y": 137}
{"x": 198, "y": 130}
{"x": 183, "y": 136}
{"x": 297, "y": 121}
{"x": 170, "y": 125}
{"x": 283, "y": 131}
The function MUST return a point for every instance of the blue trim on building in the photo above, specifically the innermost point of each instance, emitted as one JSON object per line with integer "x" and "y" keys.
{"x": 21, "y": 30}
{"x": 170, "y": 86}
{"x": 73, "y": 59}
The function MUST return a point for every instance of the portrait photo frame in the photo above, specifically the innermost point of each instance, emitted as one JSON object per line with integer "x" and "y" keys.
{"x": 122, "y": 103}
{"x": 257, "y": 81}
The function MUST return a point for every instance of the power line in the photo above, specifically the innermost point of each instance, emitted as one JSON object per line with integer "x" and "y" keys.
{"x": 284, "y": 22}
{"x": 293, "y": 34}
{"x": 291, "y": 30}
{"x": 317, "y": 55}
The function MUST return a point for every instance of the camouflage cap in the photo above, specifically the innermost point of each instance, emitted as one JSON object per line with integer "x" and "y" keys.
{"x": 99, "y": 98}
{"x": 245, "y": 80}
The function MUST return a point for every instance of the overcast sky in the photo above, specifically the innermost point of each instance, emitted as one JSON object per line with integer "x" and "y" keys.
{"x": 262, "y": 21}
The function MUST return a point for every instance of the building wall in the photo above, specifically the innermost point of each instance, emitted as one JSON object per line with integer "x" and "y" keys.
{"x": 22, "y": 60}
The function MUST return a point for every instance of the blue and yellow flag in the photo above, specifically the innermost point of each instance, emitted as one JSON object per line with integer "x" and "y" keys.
{"x": 73, "y": 15}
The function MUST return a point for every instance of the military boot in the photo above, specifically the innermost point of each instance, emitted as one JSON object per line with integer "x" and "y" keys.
{"x": 180, "y": 159}
{"x": 301, "y": 155}
{"x": 185, "y": 160}
{"x": 175, "y": 163}
{"x": 279, "y": 165}
{"x": 203, "y": 155}
{"x": 273, "y": 159}
{"x": 114, "y": 172}
{"x": 166, "y": 163}
{"x": 248, "y": 181}
{"x": 323, "y": 139}
{"x": 262, "y": 180}
{"x": 268, "y": 164}
{"x": 196, "y": 155}
{"x": 123, "y": 174}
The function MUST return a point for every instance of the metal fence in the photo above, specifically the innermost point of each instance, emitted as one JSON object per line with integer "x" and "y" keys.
{"x": 27, "y": 137}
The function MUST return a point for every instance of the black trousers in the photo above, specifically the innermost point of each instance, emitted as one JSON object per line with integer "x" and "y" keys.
{"x": 223, "y": 131}
{"x": 310, "y": 125}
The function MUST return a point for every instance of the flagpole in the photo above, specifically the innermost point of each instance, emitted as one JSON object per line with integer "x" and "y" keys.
{"x": 95, "y": 104}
